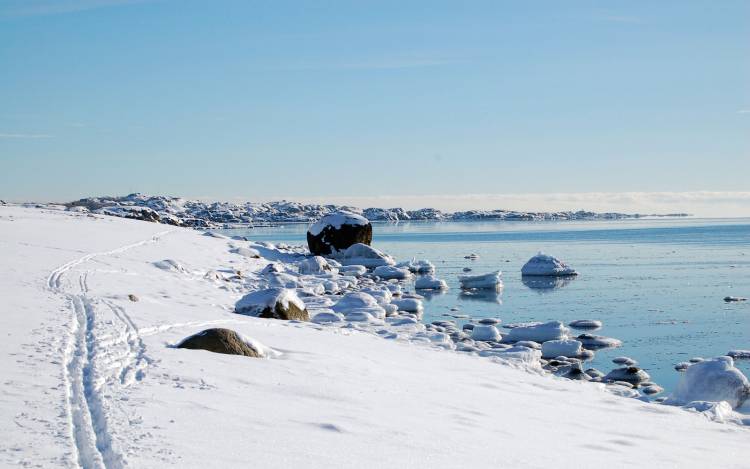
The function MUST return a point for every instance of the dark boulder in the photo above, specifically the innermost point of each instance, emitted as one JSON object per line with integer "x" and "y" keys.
{"x": 219, "y": 340}
{"x": 337, "y": 231}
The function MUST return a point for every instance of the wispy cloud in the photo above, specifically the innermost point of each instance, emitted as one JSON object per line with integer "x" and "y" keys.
{"x": 18, "y": 8}
{"x": 13, "y": 135}
{"x": 743, "y": 111}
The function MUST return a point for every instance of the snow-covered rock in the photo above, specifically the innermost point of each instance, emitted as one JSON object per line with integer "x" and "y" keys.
{"x": 275, "y": 303}
{"x": 246, "y": 252}
{"x": 418, "y": 266}
{"x": 628, "y": 374}
{"x": 485, "y": 333}
{"x": 410, "y": 305}
{"x": 546, "y": 265}
{"x": 585, "y": 324}
{"x": 739, "y": 354}
{"x": 429, "y": 282}
{"x": 564, "y": 347}
{"x": 359, "y": 302}
{"x": 337, "y": 231}
{"x": 712, "y": 380}
{"x": 594, "y": 342}
{"x": 388, "y": 272}
{"x": 364, "y": 255}
{"x": 553, "y": 330}
{"x": 326, "y": 316}
{"x": 491, "y": 281}
{"x": 353, "y": 270}
{"x": 315, "y": 265}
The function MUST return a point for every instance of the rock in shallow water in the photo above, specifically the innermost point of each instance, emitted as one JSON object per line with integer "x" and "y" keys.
{"x": 628, "y": 374}
{"x": 546, "y": 265}
{"x": 338, "y": 231}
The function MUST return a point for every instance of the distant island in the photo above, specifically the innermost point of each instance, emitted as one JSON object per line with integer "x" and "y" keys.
{"x": 192, "y": 213}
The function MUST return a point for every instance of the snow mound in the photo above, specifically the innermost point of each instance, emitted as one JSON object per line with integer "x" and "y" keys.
{"x": 712, "y": 380}
{"x": 315, "y": 265}
{"x": 410, "y": 305}
{"x": 327, "y": 316}
{"x": 481, "y": 282}
{"x": 359, "y": 302}
{"x": 485, "y": 333}
{"x": 337, "y": 220}
{"x": 363, "y": 255}
{"x": 171, "y": 265}
{"x": 591, "y": 341}
{"x": 246, "y": 252}
{"x": 564, "y": 348}
{"x": 428, "y": 282}
{"x": 546, "y": 265}
{"x": 554, "y": 330}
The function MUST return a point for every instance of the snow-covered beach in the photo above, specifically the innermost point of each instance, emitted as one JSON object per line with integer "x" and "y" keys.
{"x": 92, "y": 378}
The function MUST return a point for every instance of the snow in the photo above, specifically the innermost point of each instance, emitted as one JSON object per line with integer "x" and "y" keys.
{"x": 491, "y": 281}
{"x": 418, "y": 266}
{"x": 315, "y": 265}
{"x": 713, "y": 380}
{"x": 254, "y": 303}
{"x": 363, "y": 255}
{"x": 557, "y": 348}
{"x": 591, "y": 341}
{"x": 553, "y": 330}
{"x": 486, "y": 333}
{"x": 546, "y": 265}
{"x": 411, "y": 305}
{"x": 388, "y": 272}
{"x": 90, "y": 379}
{"x": 429, "y": 282}
{"x": 337, "y": 220}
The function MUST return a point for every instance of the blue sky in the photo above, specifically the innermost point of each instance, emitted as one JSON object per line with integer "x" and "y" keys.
{"x": 315, "y": 100}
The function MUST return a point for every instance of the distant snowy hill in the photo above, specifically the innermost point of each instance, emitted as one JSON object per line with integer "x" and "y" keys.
{"x": 182, "y": 212}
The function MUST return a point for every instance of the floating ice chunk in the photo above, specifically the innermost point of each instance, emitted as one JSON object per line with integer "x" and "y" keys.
{"x": 546, "y": 265}
{"x": 485, "y": 333}
{"x": 387, "y": 272}
{"x": 354, "y": 270}
{"x": 628, "y": 374}
{"x": 481, "y": 282}
{"x": 362, "y": 254}
{"x": 428, "y": 282}
{"x": 712, "y": 380}
{"x": 553, "y": 330}
{"x": 739, "y": 354}
{"x": 652, "y": 390}
{"x": 598, "y": 341}
{"x": 315, "y": 265}
{"x": 327, "y": 316}
{"x": 565, "y": 348}
{"x": 411, "y": 305}
{"x": 417, "y": 266}
{"x": 585, "y": 324}
{"x": 529, "y": 344}
{"x": 359, "y": 302}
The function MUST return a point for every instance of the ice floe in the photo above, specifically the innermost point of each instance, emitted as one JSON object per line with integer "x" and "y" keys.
{"x": 553, "y": 330}
{"x": 429, "y": 282}
{"x": 490, "y": 281}
{"x": 564, "y": 347}
{"x": 546, "y": 265}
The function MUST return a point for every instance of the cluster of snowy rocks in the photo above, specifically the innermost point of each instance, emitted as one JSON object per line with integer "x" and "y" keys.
{"x": 364, "y": 289}
{"x": 193, "y": 213}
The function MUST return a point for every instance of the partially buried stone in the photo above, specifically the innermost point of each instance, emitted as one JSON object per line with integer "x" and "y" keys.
{"x": 219, "y": 340}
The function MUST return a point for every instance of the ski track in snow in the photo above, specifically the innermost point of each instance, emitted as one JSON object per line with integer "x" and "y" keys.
{"x": 92, "y": 360}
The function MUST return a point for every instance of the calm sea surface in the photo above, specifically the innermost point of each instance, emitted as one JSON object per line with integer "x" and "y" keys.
{"x": 658, "y": 285}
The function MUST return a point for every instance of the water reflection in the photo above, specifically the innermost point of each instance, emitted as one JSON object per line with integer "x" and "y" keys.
{"x": 546, "y": 284}
{"x": 430, "y": 294}
{"x": 486, "y": 296}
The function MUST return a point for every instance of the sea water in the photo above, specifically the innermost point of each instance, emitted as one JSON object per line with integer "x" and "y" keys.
{"x": 656, "y": 284}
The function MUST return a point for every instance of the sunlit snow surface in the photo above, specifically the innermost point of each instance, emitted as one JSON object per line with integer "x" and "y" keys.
{"x": 90, "y": 377}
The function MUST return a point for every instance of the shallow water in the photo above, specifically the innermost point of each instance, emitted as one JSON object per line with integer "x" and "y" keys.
{"x": 658, "y": 285}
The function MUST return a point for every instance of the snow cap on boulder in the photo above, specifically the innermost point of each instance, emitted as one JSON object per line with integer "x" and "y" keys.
{"x": 273, "y": 303}
{"x": 546, "y": 265}
{"x": 337, "y": 231}
{"x": 712, "y": 380}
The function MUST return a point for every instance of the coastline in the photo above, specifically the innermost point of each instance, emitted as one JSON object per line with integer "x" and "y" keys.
{"x": 385, "y": 401}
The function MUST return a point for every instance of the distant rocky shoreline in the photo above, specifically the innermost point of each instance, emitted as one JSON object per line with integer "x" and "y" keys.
{"x": 192, "y": 213}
